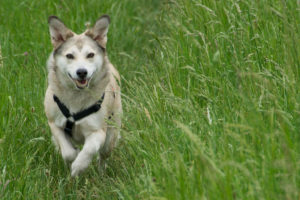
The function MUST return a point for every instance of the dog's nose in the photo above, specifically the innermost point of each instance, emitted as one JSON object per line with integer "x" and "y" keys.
{"x": 81, "y": 73}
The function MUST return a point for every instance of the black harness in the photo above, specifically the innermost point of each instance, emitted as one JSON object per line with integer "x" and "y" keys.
{"x": 72, "y": 118}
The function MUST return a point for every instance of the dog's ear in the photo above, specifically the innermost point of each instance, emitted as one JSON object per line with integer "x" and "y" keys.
{"x": 99, "y": 31}
{"x": 58, "y": 31}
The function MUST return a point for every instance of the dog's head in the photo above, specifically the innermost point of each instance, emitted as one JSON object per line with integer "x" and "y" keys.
{"x": 78, "y": 57}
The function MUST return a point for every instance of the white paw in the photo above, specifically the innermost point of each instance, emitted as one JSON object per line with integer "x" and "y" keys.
{"x": 69, "y": 155}
{"x": 78, "y": 167}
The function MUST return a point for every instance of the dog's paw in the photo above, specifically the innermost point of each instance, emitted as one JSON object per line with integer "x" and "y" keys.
{"x": 70, "y": 155}
{"x": 78, "y": 167}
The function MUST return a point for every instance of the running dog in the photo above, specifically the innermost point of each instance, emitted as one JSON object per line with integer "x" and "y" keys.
{"x": 83, "y": 100}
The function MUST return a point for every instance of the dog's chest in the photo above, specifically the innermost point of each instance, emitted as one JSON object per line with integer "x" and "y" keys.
{"x": 84, "y": 127}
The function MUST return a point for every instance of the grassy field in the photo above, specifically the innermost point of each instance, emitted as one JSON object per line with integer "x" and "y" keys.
{"x": 210, "y": 94}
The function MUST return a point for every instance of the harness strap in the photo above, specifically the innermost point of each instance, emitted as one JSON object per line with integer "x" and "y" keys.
{"x": 62, "y": 107}
{"x": 69, "y": 127}
{"x": 92, "y": 109}
{"x": 72, "y": 118}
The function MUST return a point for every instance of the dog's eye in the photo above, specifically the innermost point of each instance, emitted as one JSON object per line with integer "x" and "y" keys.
{"x": 70, "y": 56}
{"x": 90, "y": 55}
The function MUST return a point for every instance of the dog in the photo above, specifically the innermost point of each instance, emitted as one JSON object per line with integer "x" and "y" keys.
{"x": 83, "y": 100}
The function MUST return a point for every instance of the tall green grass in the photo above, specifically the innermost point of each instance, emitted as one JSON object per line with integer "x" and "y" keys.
{"x": 210, "y": 97}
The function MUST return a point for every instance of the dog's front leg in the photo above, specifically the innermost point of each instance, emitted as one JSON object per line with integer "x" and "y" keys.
{"x": 91, "y": 146}
{"x": 68, "y": 152}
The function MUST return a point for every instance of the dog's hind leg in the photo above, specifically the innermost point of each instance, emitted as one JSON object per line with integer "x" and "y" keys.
{"x": 112, "y": 137}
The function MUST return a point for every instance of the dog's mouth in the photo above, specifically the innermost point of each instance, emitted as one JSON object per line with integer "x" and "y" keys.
{"x": 80, "y": 83}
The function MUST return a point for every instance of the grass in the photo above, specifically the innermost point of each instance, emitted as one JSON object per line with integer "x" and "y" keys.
{"x": 210, "y": 96}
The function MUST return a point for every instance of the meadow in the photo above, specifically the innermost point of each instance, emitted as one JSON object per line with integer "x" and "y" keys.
{"x": 210, "y": 94}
